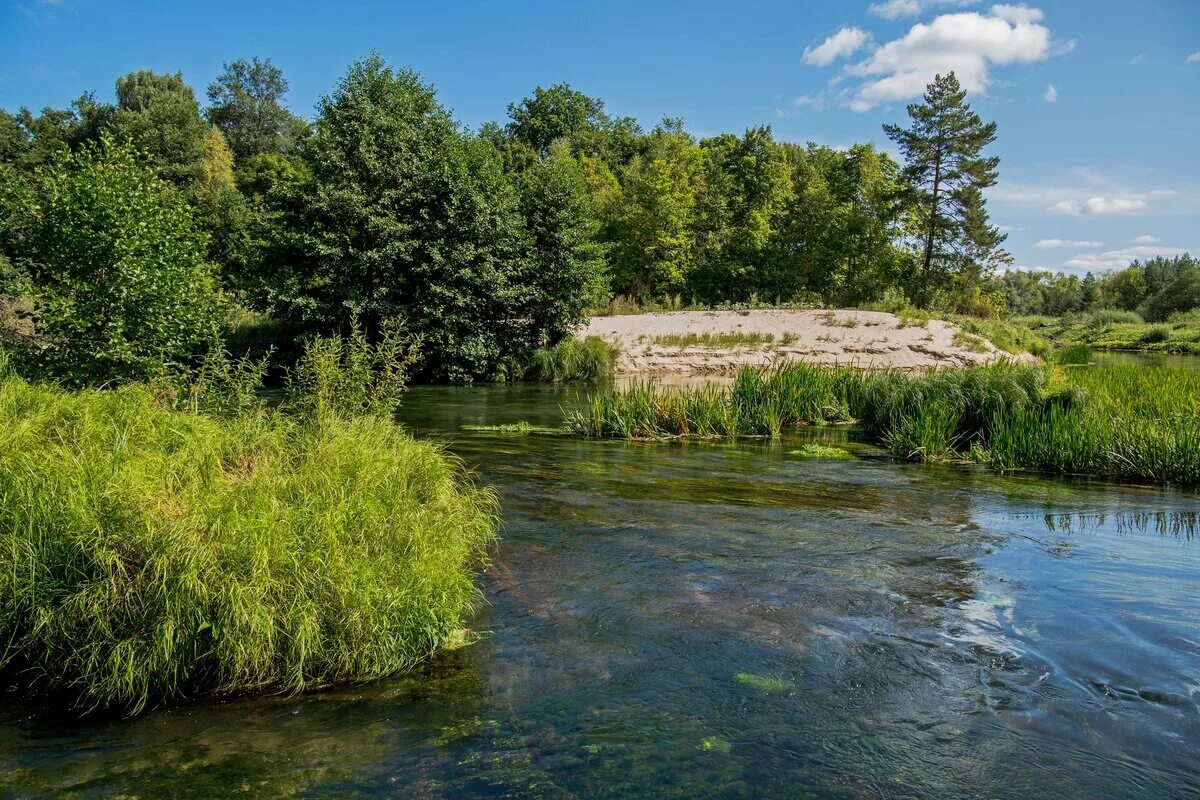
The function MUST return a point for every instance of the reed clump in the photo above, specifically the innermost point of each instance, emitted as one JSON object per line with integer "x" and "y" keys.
{"x": 150, "y": 554}
{"x": 1124, "y": 422}
{"x": 574, "y": 360}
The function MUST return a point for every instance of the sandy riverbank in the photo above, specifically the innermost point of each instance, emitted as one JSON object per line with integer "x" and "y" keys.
{"x": 708, "y": 342}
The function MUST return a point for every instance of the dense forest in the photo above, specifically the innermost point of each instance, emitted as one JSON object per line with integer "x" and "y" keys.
{"x": 132, "y": 231}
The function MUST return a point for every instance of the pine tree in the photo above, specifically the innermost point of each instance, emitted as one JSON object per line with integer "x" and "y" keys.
{"x": 946, "y": 172}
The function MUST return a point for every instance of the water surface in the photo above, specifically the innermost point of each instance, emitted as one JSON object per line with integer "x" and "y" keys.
{"x": 729, "y": 620}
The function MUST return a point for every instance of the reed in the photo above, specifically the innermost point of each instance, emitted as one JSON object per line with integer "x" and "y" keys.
{"x": 1122, "y": 422}
{"x": 574, "y": 360}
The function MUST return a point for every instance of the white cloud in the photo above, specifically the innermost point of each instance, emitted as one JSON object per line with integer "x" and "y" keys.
{"x": 845, "y": 42}
{"x": 970, "y": 44}
{"x": 1193, "y": 58}
{"x": 892, "y": 9}
{"x": 814, "y": 101}
{"x": 1147, "y": 239}
{"x": 1048, "y": 244}
{"x": 1139, "y": 58}
{"x": 1116, "y": 259}
{"x": 1107, "y": 205}
{"x": 1051, "y": 95}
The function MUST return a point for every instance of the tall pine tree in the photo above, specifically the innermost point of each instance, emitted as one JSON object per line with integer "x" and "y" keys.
{"x": 946, "y": 172}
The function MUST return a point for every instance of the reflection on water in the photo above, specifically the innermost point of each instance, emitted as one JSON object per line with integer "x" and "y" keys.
{"x": 726, "y": 620}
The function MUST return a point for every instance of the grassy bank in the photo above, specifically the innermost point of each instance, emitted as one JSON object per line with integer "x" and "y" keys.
{"x": 1121, "y": 422}
{"x": 1120, "y": 330}
{"x": 150, "y": 555}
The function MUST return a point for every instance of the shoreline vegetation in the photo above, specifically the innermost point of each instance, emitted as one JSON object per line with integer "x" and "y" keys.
{"x": 1119, "y": 422}
{"x": 161, "y": 542}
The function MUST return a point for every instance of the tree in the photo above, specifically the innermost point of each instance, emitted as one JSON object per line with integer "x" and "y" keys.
{"x": 559, "y": 112}
{"x": 117, "y": 265}
{"x": 405, "y": 215}
{"x": 652, "y": 228}
{"x": 567, "y": 268}
{"x": 246, "y": 105}
{"x": 159, "y": 115}
{"x": 946, "y": 172}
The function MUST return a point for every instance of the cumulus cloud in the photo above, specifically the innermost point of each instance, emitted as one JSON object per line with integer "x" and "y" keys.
{"x": 845, "y": 42}
{"x": 1108, "y": 205}
{"x": 1049, "y": 244}
{"x": 968, "y": 43}
{"x": 1146, "y": 239}
{"x": 1193, "y": 58}
{"x": 1117, "y": 259}
{"x": 893, "y": 9}
{"x": 1051, "y": 94}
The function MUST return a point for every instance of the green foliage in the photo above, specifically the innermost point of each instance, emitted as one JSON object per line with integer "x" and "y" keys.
{"x": 440, "y": 235}
{"x": 821, "y": 451}
{"x": 121, "y": 285}
{"x": 1075, "y": 355}
{"x": 158, "y": 114}
{"x": 1130, "y": 423}
{"x": 351, "y": 376}
{"x": 572, "y": 359}
{"x": 246, "y": 104}
{"x": 945, "y": 174}
{"x": 149, "y": 555}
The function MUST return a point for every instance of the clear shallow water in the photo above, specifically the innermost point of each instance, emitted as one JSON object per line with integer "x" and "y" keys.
{"x": 712, "y": 620}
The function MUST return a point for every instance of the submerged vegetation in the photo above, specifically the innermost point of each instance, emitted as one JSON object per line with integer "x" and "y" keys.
{"x": 1122, "y": 422}
{"x": 150, "y": 553}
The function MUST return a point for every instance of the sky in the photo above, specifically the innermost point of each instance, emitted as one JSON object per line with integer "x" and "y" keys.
{"x": 1097, "y": 101}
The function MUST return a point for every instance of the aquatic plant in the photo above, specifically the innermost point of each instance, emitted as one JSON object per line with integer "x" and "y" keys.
{"x": 590, "y": 359}
{"x": 1075, "y": 355}
{"x": 1123, "y": 422}
{"x": 149, "y": 555}
{"x": 821, "y": 451}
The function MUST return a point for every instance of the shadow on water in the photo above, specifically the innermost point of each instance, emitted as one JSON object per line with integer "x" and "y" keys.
{"x": 729, "y": 620}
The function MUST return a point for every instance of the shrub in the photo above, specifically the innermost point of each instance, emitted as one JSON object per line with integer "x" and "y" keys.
{"x": 1155, "y": 335}
{"x": 118, "y": 266}
{"x": 149, "y": 555}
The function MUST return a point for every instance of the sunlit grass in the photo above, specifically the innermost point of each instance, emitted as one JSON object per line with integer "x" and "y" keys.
{"x": 1125, "y": 422}
{"x": 150, "y": 555}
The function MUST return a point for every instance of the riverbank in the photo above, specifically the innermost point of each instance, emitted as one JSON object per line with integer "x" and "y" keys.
{"x": 1120, "y": 331}
{"x": 722, "y": 342}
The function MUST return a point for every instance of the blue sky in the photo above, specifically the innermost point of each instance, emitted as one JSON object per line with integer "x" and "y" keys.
{"x": 1100, "y": 168}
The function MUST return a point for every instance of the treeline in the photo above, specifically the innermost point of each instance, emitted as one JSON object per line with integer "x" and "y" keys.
{"x": 130, "y": 227}
{"x": 1154, "y": 289}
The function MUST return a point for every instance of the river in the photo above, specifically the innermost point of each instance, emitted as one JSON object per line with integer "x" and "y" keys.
{"x": 729, "y": 620}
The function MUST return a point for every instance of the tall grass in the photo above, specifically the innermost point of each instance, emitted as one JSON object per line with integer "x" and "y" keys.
{"x": 589, "y": 359}
{"x": 1124, "y": 422}
{"x": 150, "y": 554}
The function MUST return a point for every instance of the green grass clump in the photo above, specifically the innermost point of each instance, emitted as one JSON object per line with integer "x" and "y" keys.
{"x": 821, "y": 451}
{"x": 589, "y": 359}
{"x": 149, "y": 555}
{"x": 721, "y": 340}
{"x": 1075, "y": 355}
{"x": 1124, "y": 422}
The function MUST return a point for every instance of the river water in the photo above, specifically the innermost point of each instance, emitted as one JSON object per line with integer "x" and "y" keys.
{"x": 730, "y": 620}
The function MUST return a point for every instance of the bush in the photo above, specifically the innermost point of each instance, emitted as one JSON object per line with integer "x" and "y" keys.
{"x": 150, "y": 555}
{"x": 1155, "y": 335}
{"x": 1112, "y": 316}
{"x": 118, "y": 266}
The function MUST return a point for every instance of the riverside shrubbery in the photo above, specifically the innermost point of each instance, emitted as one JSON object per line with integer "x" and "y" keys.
{"x": 1133, "y": 423}
{"x": 150, "y": 554}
